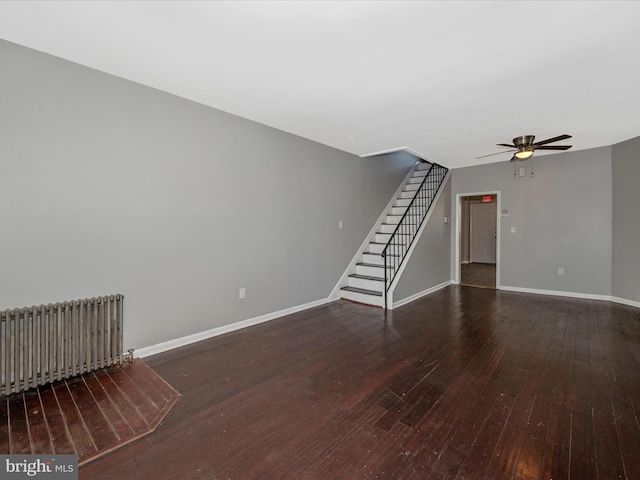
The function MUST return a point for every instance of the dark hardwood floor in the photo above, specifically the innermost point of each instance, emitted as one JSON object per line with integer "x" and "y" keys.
{"x": 478, "y": 275}
{"x": 88, "y": 415}
{"x": 464, "y": 383}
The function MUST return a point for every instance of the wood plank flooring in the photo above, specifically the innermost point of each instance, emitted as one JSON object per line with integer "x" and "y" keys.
{"x": 88, "y": 415}
{"x": 465, "y": 383}
{"x": 478, "y": 275}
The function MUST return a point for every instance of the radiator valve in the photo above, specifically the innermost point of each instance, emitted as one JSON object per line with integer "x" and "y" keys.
{"x": 129, "y": 356}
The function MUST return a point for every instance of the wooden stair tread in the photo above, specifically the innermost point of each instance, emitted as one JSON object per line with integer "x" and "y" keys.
{"x": 363, "y": 291}
{"x": 380, "y": 254}
{"x": 367, "y": 277}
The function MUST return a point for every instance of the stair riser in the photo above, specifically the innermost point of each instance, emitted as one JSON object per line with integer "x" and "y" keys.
{"x": 423, "y": 166}
{"x": 402, "y": 202}
{"x": 393, "y": 219}
{"x": 372, "y": 258}
{"x": 387, "y": 228}
{"x": 395, "y": 210}
{"x": 382, "y": 237}
{"x": 411, "y": 186}
{"x": 376, "y": 247}
{"x": 370, "y": 271}
{"x": 409, "y": 194}
{"x": 366, "y": 284}
{"x": 385, "y": 237}
{"x": 362, "y": 298}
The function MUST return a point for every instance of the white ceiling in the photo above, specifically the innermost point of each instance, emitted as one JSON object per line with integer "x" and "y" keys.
{"x": 448, "y": 80}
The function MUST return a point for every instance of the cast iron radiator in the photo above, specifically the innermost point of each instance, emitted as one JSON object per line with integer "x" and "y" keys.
{"x": 42, "y": 344}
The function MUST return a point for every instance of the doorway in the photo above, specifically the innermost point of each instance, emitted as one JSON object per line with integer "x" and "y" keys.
{"x": 477, "y": 242}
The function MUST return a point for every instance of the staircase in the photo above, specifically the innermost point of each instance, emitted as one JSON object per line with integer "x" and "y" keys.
{"x": 381, "y": 260}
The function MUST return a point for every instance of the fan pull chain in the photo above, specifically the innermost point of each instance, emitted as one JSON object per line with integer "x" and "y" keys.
{"x": 531, "y": 167}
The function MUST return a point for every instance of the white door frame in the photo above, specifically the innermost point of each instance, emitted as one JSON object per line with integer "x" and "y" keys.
{"x": 459, "y": 196}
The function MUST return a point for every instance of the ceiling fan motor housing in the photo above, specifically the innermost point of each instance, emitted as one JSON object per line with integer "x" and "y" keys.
{"x": 525, "y": 147}
{"x": 524, "y": 141}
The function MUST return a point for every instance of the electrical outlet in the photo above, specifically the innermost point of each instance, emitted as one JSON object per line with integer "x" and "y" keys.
{"x": 513, "y": 229}
{"x": 340, "y": 224}
{"x": 242, "y": 294}
{"x": 560, "y": 270}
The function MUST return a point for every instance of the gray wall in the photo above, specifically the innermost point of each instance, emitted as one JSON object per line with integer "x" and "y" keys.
{"x": 429, "y": 263}
{"x": 107, "y": 186}
{"x": 625, "y": 258}
{"x": 562, "y": 217}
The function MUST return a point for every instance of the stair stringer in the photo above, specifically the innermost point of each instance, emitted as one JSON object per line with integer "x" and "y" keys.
{"x": 344, "y": 279}
{"x": 407, "y": 257}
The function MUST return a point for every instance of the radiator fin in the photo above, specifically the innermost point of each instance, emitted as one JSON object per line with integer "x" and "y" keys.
{"x": 46, "y": 343}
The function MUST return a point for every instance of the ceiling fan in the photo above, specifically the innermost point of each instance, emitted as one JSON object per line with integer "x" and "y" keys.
{"x": 523, "y": 146}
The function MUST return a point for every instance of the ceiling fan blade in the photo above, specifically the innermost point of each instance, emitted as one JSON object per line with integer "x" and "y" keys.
{"x": 492, "y": 154}
{"x": 505, "y": 145}
{"x": 551, "y": 140}
{"x": 556, "y": 147}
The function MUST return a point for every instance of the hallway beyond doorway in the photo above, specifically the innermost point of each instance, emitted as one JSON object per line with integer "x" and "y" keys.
{"x": 478, "y": 275}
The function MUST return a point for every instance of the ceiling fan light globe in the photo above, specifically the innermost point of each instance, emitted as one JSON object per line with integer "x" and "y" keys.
{"x": 523, "y": 154}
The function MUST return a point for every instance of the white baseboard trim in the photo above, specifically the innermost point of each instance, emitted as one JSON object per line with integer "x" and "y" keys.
{"x": 214, "y": 332}
{"x": 421, "y": 294}
{"x": 557, "y": 293}
{"x": 197, "y": 337}
{"x": 626, "y": 301}
{"x": 588, "y": 296}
